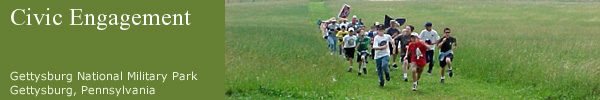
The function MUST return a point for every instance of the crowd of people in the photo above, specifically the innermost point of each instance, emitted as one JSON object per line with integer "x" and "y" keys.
{"x": 415, "y": 50}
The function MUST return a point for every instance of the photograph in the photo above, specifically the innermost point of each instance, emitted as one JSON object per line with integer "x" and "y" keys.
{"x": 412, "y": 49}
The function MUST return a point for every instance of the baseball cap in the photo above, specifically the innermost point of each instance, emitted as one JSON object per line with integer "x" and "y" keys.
{"x": 414, "y": 35}
{"x": 428, "y": 24}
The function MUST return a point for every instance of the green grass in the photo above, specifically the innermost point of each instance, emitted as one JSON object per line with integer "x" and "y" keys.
{"x": 507, "y": 50}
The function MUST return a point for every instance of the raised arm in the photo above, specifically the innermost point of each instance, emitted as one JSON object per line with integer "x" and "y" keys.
{"x": 442, "y": 42}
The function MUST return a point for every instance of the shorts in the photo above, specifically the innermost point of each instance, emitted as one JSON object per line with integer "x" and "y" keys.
{"x": 397, "y": 50}
{"x": 419, "y": 68}
{"x": 362, "y": 53}
{"x": 390, "y": 47}
{"x": 443, "y": 61}
{"x": 349, "y": 52}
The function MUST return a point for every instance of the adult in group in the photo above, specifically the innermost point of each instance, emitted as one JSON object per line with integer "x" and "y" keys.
{"x": 403, "y": 40}
{"x": 331, "y": 38}
{"x": 430, "y": 37}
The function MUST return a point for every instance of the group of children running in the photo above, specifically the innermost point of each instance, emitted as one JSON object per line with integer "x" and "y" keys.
{"x": 415, "y": 50}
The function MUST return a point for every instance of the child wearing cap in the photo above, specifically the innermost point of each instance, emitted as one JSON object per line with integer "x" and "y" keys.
{"x": 349, "y": 42}
{"x": 416, "y": 50}
{"x": 382, "y": 54}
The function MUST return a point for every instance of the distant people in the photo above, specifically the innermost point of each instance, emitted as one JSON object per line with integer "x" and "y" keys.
{"x": 344, "y": 22}
{"x": 323, "y": 29}
{"x": 447, "y": 45}
{"x": 349, "y": 44}
{"x": 319, "y": 22}
{"x": 354, "y": 19}
{"x": 372, "y": 32}
{"x": 354, "y": 25}
{"x": 360, "y": 23}
{"x": 331, "y": 38}
{"x": 416, "y": 50}
{"x": 382, "y": 55}
{"x": 430, "y": 37}
{"x": 340, "y": 35}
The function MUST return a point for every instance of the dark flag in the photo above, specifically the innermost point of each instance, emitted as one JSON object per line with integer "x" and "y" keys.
{"x": 388, "y": 18}
{"x": 386, "y": 21}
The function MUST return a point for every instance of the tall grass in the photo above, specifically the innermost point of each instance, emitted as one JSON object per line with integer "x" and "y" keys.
{"x": 268, "y": 50}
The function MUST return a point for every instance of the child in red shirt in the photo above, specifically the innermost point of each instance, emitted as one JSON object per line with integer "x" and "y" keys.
{"x": 418, "y": 57}
{"x": 416, "y": 50}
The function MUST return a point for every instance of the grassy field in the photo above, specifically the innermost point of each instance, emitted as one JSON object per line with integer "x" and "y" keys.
{"x": 507, "y": 50}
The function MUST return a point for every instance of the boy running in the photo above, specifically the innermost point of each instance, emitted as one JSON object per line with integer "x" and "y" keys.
{"x": 349, "y": 42}
{"x": 446, "y": 55}
{"x": 382, "y": 55}
{"x": 362, "y": 48}
{"x": 340, "y": 35}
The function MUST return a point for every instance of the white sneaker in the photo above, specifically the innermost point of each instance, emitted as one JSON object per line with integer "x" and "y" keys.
{"x": 405, "y": 77}
{"x": 414, "y": 88}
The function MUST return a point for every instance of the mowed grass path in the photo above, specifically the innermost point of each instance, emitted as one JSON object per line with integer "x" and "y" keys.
{"x": 273, "y": 51}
